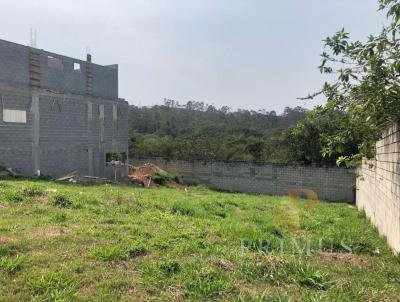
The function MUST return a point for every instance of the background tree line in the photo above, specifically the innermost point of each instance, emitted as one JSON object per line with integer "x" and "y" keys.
{"x": 199, "y": 131}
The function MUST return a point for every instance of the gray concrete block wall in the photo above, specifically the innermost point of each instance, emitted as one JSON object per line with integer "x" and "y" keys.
{"x": 16, "y": 139}
{"x": 69, "y": 133}
{"x": 14, "y": 63}
{"x": 56, "y": 73}
{"x": 334, "y": 184}
{"x": 64, "y": 79}
{"x": 378, "y": 186}
{"x": 105, "y": 81}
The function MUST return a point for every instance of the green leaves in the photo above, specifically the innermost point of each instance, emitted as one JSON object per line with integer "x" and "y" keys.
{"x": 366, "y": 90}
{"x": 338, "y": 42}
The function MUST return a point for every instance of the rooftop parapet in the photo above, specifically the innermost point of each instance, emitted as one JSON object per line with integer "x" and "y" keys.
{"x": 37, "y": 68}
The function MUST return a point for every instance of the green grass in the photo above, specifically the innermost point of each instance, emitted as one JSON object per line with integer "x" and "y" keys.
{"x": 66, "y": 242}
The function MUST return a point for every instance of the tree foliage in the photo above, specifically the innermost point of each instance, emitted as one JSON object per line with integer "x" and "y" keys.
{"x": 309, "y": 138}
{"x": 366, "y": 90}
{"x": 199, "y": 131}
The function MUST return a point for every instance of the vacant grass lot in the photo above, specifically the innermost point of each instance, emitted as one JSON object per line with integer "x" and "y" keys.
{"x": 61, "y": 242}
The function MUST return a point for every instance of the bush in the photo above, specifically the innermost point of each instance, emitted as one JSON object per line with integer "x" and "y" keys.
{"x": 163, "y": 178}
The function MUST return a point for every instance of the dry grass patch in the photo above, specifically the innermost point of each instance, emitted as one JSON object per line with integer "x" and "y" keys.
{"x": 47, "y": 233}
{"x": 175, "y": 294}
{"x": 347, "y": 258}
{"x": 222, "y": 264}
{"x": 44, "y": 199}
{"x": 271, "y": 261}
{"x": 5, "y": 240}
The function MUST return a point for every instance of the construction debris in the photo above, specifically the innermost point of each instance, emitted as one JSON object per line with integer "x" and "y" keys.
{"x": 148, "y": 175}
{"x": 7, "y": 172}
{"x": 67, "y": 177}
{"x": 151, "y": 175}
{"x": 75, "y": 178}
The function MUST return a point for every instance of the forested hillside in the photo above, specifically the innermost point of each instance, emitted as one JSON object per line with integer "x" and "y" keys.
{"x": 199, "y": 131}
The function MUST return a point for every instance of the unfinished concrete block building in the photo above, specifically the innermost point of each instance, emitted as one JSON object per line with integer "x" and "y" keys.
{"x": 59, "y": 114}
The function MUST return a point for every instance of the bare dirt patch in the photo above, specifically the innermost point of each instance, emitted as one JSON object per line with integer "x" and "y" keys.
{"x": 302, "y": 234}
{"x": 175, "y": 294}
{"x": 348, "y": 258}
{"x": 37, "y": 254}
{"x": 44, "y": 199}
{"x": 47, "y": 233}
{"x": 239, "y": 210}
{"x": 269, "y": 260}
{"x": 222, "y": 264}
{"x": 5, "y": 240}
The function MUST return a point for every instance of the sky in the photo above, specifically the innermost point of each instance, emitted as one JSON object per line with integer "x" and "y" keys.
{"x": 250, "y": 54}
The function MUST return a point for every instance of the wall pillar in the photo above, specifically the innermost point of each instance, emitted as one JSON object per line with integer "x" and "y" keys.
{"x": 35, "y": 133}
{"x": 115, "y": 128}
{"x": 90, "y": 138}
{"x": 102, "y": 156}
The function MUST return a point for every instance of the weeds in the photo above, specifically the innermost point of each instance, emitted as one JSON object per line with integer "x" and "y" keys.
{"x": 137, "y": 251}
{"x": 111, "y": 253}
{"x": 207, "y": 283}
{"x": 33, "y": 190}
{"x": 11, "y": 249}
{"x": 118, "y": 253}
{"x": 53, "y": 286}
{"x": 170, "y": 267}
{"x": 61, "y": 201}
{"x": 307, "y": 276}
{"x": 59, "y": 217}
{"x": 11, "y": 265}
{"x": 179, "y": 208}
{"x": 13, "y": 197}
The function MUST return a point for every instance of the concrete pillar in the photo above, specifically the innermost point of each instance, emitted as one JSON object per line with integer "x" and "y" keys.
{"x": 90, "y": 138}
{"x": 102, "y": 156}
{"x": 115, "y": 128}
{"x": 101, "y": 117}
{"x": 35, "y": 133}
{"x": 90, "y": 162}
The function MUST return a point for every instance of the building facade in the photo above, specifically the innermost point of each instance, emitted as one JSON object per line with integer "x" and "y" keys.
{"x": 58, "y": 114}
